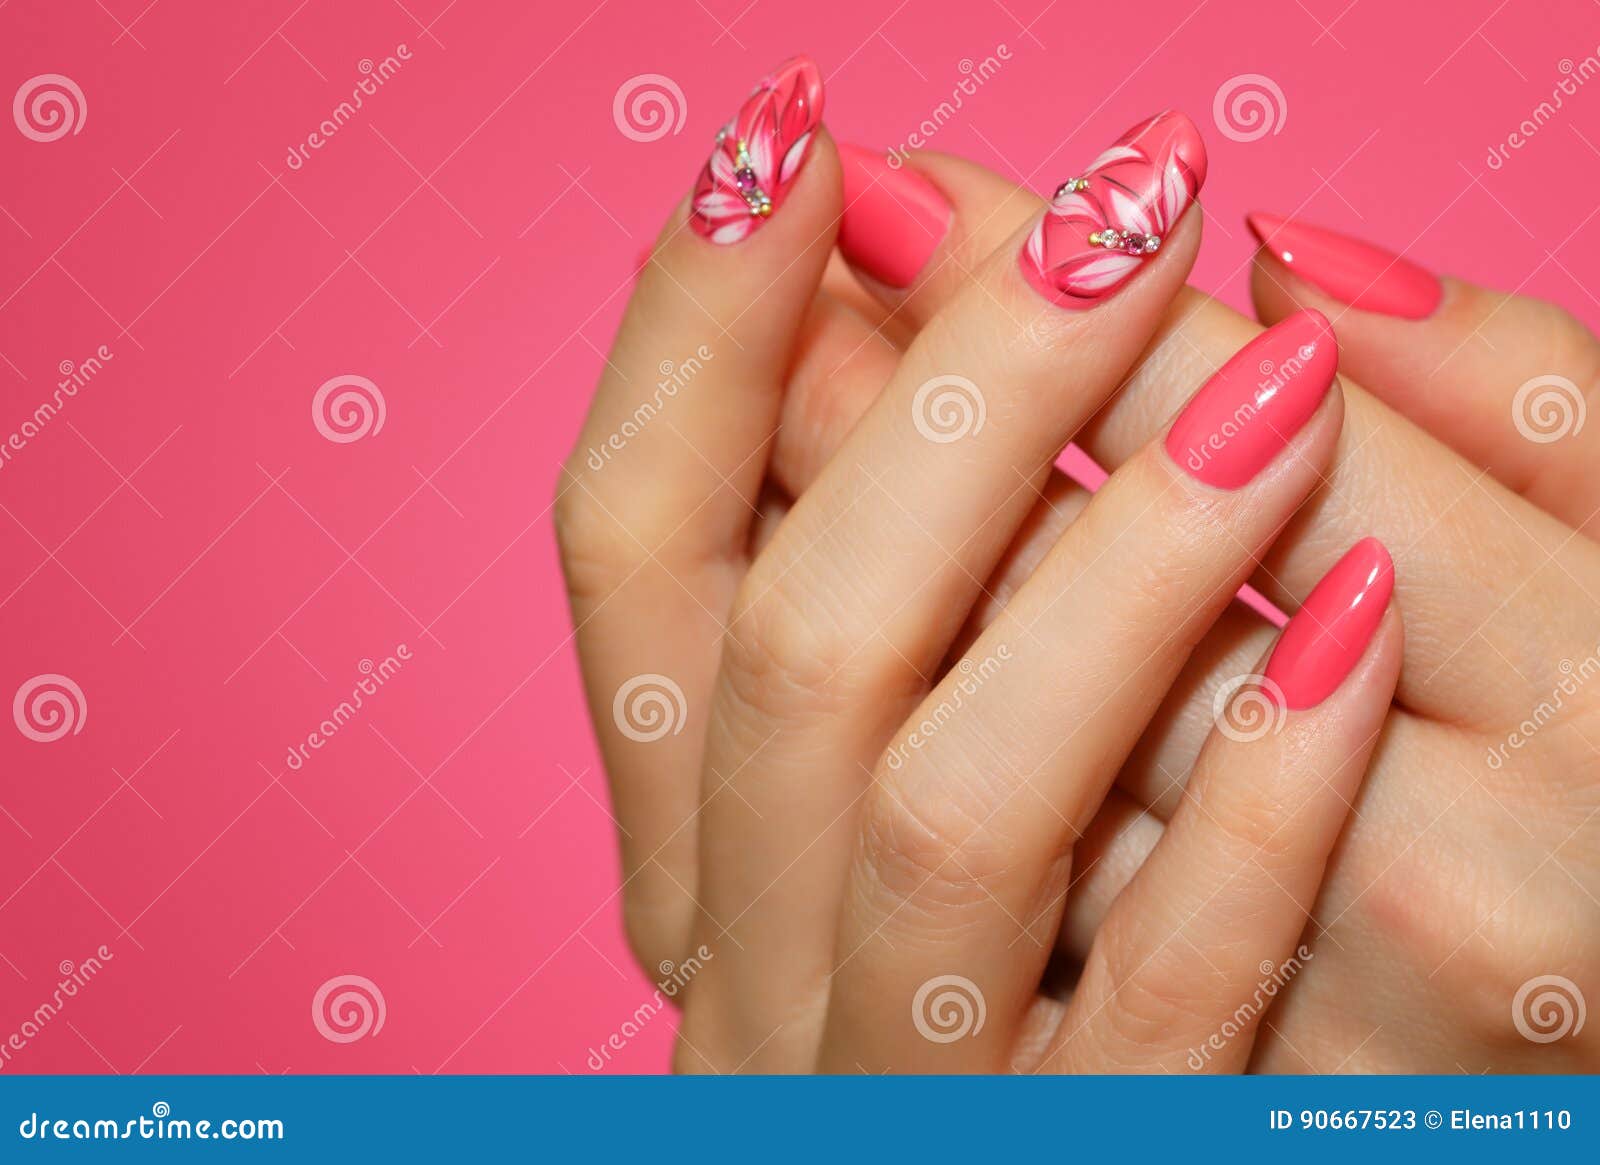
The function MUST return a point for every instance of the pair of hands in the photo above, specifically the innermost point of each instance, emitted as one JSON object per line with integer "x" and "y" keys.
{"x": 923, "y": 760}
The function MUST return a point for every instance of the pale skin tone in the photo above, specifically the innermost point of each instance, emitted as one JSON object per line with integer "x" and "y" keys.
{"x": 1077, "y": 840}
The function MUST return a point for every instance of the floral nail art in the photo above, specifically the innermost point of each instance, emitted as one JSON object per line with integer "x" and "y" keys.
{"x": 758, "y": 153}
{"x": 1101, "y": 228}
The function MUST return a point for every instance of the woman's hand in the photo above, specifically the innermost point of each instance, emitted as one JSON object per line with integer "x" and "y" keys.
{"x": 849, "y": 799}
{"x": 1459, "y": 926}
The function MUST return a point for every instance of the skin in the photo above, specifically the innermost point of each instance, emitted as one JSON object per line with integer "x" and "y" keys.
{"x": 809, "y": 571}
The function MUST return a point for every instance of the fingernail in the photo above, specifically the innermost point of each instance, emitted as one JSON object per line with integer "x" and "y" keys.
{"x": 1100, "y": 228}
{"x": 1351, "y": 271}
{"x": 1331, "y": 630}
{"x": 1255, "y": 403}
{"x": 758, "y": 154}
{"x": 894, "y": 218}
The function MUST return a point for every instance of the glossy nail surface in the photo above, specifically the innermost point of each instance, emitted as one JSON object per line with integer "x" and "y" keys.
{"x": 1351, "y": 271}
{"x": 758, "y": 153}
{"x": 894, "y": 218}
{"x": 1330, "y": 632}
{"x": 1103, "y": 226}
{"x": 1255, "y": 403}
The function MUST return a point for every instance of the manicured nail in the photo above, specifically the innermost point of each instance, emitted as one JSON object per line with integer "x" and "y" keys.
{"x": 1331, "y": 630}
{"x": 1351, "y": 271}
{"x": 1255, "y": 403}
{"x": 894, "y": 218}
{"x": 758, "y": 154}
{"x": 1101, "y": 228}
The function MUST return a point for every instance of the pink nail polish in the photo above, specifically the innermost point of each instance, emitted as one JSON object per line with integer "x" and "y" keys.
{"x": 1330, "y": 632}
{"x": 894, "y": 218}
{"x": 758, "y": 154}
{"x": 1101, "y": 228}
{"x": 1255, "y": 403}
{"x": 1351, "y": 271}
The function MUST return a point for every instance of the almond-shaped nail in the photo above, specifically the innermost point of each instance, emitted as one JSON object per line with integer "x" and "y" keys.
{"x": 1255, "y": 403}
{"x": 894, "y": 218}
{"x": 758, "y": 153}
{"x": 1101, "y": 227}
{"x": 1351, "y": 271}
{"x": 1330, "y": 632}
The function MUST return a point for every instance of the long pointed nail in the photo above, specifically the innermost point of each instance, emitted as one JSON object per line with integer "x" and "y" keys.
{"x": 1255, "y": 403}
{"x": 894, "y": 218}
{"x": 1330, "y": 632}
{"x": 1349, "y": 270}
{"x": 1101, "y": 228}
{"x": 758, "y": 153}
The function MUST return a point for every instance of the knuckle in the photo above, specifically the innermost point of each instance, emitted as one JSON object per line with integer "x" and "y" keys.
{"x": 929, "y": 852}
{"x": 1150, "y": 996}
{"x": 783, "y": 653}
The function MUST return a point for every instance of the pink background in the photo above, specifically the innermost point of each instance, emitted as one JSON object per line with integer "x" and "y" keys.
{"x": 185, "y": 544}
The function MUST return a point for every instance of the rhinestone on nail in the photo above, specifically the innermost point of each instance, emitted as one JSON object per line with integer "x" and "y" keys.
{"x": 1072, "y": 186}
